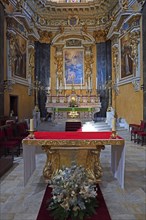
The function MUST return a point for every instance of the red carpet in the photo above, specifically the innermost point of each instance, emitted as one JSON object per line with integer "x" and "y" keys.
{"x": 102, "y": 211}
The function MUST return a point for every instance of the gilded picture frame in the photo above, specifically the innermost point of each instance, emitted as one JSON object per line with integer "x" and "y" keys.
{"x": 74, "y": 66}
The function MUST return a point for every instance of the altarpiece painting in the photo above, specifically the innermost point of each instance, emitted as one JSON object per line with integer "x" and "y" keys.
{"x": 20, "y": 57}
{"x": 74, "y": 66}
{"x": 127, "y": 63}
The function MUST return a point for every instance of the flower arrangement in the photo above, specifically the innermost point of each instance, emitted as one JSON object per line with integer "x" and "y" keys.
{"x": 73, "y": 194}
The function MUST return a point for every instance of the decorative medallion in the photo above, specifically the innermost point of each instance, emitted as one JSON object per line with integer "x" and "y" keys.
{"x": 73, "y": 20}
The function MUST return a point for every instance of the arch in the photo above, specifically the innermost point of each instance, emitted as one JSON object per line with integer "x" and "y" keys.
{"x": 85, "y": 38}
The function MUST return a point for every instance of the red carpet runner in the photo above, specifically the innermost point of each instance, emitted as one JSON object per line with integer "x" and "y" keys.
{"x": 102, "y": 211}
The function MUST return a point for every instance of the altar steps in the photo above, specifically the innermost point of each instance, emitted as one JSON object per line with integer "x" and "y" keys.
{"x": 86, "y": 126}
{"x": 95, "y": 126}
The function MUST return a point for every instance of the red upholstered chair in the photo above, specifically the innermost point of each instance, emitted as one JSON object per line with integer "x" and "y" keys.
{"x": 136, "y": 129}
{"x": 141, "y": 137}
{"x": 11, "y": 146}
{"x": 131, "y": 126}
{"x": 22, "y": 129}
{"x": 9, "y": 131}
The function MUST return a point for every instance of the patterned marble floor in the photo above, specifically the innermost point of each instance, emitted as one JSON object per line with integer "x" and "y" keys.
{"x": 23, "y": 203}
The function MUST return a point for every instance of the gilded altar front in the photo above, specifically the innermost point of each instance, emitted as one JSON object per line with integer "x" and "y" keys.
{"x": 85, "y": 151}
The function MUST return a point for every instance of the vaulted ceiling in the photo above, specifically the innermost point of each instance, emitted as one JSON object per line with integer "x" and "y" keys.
{"x": 92, "y": 13}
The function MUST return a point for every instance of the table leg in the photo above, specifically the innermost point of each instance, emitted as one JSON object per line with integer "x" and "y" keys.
{"x": 93, "y": 165}
{"x": 52, "y": 163}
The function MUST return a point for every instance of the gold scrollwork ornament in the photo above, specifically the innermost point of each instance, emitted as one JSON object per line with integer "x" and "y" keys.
{"x": 93, "y": 165}
{"x": 52, "y": 163}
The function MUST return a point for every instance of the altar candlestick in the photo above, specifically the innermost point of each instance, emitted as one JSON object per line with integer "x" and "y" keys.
{"x": 113, "y": 124}
{"x": 31, "y": 124}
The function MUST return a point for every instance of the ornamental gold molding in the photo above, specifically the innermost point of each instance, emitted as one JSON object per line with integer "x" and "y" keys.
{"x": 116, "y": 67}
{"x": 92, "y": 164}
{"x": 53, "y": 149}
{"x": 134, "y": 41}
{"x": 45, "y": 36}
{"x": 52, "y": 164}
{"x": 124, "y": 4}
{"x": 100, "y": 36}
{"x": 63, "y": 144}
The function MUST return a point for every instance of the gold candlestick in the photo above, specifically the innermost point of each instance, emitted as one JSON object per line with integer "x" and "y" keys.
{"x": 113, "y": 135}
{"x": 31, "y": 134}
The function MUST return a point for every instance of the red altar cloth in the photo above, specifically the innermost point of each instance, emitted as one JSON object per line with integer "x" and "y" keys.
{"x": 73, "y": 135}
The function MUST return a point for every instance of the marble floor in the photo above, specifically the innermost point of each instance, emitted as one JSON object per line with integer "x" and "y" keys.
{"x": 23, "y": 203}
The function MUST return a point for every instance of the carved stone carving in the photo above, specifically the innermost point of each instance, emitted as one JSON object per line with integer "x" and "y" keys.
{"x": 59, "y": 66}
{"x": 136, "y": 84}
{"x": 100, "y": 36}
{"x": 115, "y": 55}
{"x": 73, "y": 43}
{"x": 134, "y": 41}
{"x": 45, "y": 36}
{"x": 124, "y": 4}
{"x": 19, "y": 5}
{"x": 88, "y": 62}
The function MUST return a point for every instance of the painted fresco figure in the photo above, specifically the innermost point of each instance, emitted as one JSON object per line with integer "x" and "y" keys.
{"x": 127, "y": 62}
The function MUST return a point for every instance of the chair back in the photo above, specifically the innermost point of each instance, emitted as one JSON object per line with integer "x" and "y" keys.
{"x": 2, "y": 135}
{"x": 9, "y": 132}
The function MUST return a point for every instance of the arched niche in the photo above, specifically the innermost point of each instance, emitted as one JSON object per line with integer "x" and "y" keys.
{"x": 78, "y": 44}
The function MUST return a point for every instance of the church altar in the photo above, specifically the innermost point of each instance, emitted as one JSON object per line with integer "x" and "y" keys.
{"x": 84, "y": 106}
{"x": 53, "y": 143}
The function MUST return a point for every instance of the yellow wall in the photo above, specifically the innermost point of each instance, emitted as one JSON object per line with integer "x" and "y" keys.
{"x": 129, "y": 104}
{"x": 25, "y": 102}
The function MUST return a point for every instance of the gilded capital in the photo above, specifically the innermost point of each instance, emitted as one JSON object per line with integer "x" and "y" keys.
{"x": 100, "y": 35}
{"x": 45, "y": 36}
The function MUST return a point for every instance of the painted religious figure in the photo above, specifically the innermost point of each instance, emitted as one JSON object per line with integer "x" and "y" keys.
{"x": 73, "y": 66}
{"x": 20, "y": 57}
{"x": 126, "y": 57}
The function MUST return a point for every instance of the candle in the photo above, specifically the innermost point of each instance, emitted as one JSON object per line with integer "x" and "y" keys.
{"x": 96, "y": 82}
{"x": 89, "y": 83}
{"x": 50, "y": 82}
{"x": 81, "y": 82}
{"x": 57, "y": 83}
{"x": 31, "y": 124}
{"x": 113, "y": 124}
{"x": 64, "y": 83}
